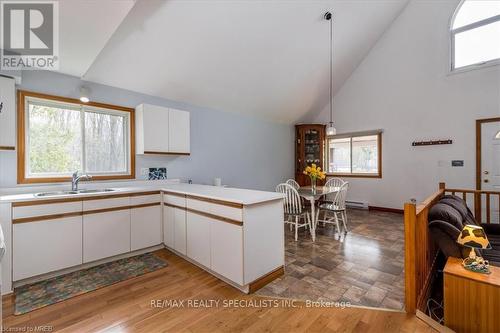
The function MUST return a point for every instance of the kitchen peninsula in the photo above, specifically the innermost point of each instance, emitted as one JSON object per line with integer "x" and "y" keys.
{"x": 234, "y": 234}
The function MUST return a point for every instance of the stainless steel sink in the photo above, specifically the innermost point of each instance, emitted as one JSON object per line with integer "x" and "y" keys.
{"x": 60, "y": 193}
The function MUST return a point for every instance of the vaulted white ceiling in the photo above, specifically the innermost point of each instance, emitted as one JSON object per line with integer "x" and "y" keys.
{"x": 265, "y": 58}
{"x": 85, "y": 27}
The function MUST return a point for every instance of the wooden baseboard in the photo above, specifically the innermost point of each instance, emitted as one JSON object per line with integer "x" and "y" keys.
{"x": 263, "y": 280}
{"x": 386, "y": 209}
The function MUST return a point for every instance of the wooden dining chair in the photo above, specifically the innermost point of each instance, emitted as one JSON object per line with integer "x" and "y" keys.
{"x": 294, "y": 211}
{"x": 336, "y": 208}
{"x": 293, "y": 183}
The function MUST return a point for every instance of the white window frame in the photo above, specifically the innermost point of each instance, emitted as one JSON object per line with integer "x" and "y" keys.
{"x": 53, "y": 101}
{"x": 378, "y": 133}
{"x": 471, "y": 26}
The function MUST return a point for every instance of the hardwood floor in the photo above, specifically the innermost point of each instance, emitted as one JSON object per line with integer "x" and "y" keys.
{"x": 126, "y": 307}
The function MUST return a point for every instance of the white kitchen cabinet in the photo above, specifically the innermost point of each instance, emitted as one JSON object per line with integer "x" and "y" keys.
{"x": 145, "y": 224}
{"x": 161, "y": 130}
{"x": 227, "y": 250}
{"x": 44, "y": 246}
{"x": 174, "y": 228}
{"x": 7, "y": 113}
{"x": 178, "y": 131}
{"x": 180, "y": 230}
{"x": 198, "y": 238}
{"x": 168, "y": 226}
{"x": 106, "y": 234}
{"x": 151, "y": 123}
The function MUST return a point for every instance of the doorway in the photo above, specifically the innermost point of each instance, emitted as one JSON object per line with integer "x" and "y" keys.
{"x": 488, "y": 162}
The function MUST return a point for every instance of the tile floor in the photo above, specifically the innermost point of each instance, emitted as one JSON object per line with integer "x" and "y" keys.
{"x": 364, "y": 267}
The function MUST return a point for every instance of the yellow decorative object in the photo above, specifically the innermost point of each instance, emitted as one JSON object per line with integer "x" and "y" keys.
{"x": 473, "y": 236}
{"x": 314, "y": 172}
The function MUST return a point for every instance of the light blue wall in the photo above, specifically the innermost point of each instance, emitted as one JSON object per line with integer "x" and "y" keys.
{"x": 242, "y": 150}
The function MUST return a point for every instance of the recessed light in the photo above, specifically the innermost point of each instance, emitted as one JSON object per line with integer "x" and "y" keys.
{"x": 84, "y": 94}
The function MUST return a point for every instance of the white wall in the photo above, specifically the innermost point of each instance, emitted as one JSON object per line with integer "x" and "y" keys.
{"x": 245, "y": 151}
{"x": 403, "y": 86}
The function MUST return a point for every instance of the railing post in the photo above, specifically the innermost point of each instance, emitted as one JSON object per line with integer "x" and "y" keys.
{"x": 410, "y": 219}
{"x": 477, "y": 206}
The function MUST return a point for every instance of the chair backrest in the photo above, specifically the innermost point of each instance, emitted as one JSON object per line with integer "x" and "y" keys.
{"x": 341, "y": 196}
{"x": 293, "y": 183}
{"x": 292, "y": 203}
{"x": 335, "y": 182}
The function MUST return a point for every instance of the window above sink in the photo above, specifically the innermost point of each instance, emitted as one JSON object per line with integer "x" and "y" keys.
{"x": 59, "y": 135}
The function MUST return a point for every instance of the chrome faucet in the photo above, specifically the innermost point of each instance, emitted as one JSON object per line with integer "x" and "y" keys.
{"x": 75, "y": 179}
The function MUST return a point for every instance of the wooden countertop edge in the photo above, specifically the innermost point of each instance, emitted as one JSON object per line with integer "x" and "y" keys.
{"x": 454, "y": 267}
{"x": 131, "y": 193}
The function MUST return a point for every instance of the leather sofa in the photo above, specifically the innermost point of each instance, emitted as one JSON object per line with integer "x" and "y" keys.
{"x": 446, "y": 220}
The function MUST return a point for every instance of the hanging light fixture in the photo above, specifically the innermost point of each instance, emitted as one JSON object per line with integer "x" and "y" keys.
{"x": 330, "y": 129}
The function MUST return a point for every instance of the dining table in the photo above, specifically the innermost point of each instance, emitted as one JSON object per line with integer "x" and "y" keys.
{"x": 313, "y": 195}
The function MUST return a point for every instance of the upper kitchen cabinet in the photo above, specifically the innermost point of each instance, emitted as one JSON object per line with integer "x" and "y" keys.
{"x": 7, "y": 114}
{"x": 161, "y": 130}
{"x": 178, "y": 132}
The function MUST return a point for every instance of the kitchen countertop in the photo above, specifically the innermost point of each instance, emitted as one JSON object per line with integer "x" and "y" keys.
{"x": 236, "y": 195}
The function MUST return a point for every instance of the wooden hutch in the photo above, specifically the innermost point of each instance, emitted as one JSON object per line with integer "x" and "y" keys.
{"x": 309, "y": 149}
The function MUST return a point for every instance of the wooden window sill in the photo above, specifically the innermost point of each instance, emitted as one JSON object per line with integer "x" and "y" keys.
{"x": 354, "y": 175}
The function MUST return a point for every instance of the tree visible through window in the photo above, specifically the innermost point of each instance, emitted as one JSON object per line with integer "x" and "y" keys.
{"x": 62, "y": 137}
{"x": 354, "y": 155}
{"x": 475, "y": 33}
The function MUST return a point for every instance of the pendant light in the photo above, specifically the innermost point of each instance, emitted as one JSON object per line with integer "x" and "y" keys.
{"x": 330, "y": 129}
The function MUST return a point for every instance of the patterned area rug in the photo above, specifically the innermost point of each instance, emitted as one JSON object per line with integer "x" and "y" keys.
{"x": 37, "y": 295}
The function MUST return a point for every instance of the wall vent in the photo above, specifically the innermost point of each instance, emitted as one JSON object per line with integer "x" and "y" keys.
{"x": 356, "y": 204}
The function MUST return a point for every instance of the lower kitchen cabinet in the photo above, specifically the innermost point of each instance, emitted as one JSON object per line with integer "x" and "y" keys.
{"x": 145, "y": 226}
{"x": 174, "y": 228}
{"x": 168, "y": 226}
{"x": 106, "y": 234}
{"x": 180, "y": 230}
{"x": 227, "y": 250}
{"x": 44, "y": 246}
{"x": 198, "y": 238}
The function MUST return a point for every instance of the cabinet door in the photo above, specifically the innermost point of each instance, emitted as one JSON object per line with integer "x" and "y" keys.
{"x": 46, "y": 246}
{"x": 179, "y": 131}
{"x": 7, "y": 113}
{"x": 168, "y": 226}
{"x": 180, "y": 230}
{"x": 155, "y": 128}
{"x": 145, "y": 227}
{"x": 106, "y": 234}
{"x": 198, "y": 238}
{"x": 227, "y": 250}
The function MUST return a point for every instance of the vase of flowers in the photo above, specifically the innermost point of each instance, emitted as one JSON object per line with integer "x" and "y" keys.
{"x": 314, "y": 172}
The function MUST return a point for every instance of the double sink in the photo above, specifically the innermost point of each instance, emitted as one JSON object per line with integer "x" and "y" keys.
{"x": 60, "y": 193}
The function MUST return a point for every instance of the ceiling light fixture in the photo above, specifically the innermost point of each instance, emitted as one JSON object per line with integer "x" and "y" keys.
{"x": 84, "y": 94}
{"x": 330, "y": 130}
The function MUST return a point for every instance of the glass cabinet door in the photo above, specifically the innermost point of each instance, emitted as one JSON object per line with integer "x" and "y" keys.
{"x": 312, "y": 147}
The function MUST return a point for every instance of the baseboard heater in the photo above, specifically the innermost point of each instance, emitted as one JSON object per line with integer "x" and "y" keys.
{"x": 356, "y": 204}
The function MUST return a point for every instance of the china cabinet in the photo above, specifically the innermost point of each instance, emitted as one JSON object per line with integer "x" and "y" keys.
{"x": 309, "y": 149}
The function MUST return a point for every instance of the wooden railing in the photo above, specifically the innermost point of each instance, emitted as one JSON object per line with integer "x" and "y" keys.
{"x": 420, "y": 250}
{"x": 481, "y": 199}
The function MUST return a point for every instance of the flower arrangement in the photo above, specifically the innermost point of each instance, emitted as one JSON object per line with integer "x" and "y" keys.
{"x": 314, "y": 172}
